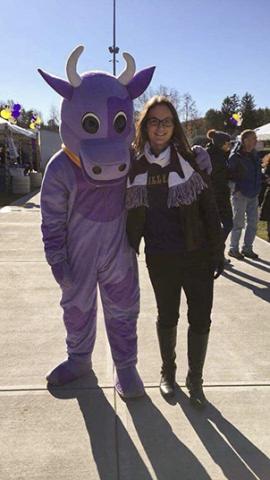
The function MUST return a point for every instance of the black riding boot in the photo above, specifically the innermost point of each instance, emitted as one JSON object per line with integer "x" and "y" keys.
{"x": 167, "y": 344}
{"x": 197, "y": 347}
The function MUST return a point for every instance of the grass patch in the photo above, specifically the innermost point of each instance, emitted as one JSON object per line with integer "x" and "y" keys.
{"x": 262, "y": 230}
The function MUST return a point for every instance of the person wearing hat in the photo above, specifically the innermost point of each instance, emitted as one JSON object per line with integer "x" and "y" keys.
{"x": 218, "y": 149}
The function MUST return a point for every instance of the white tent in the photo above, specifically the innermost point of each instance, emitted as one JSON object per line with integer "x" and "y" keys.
{"x": 6, "y": 126}
{"x": 263, "y": 132}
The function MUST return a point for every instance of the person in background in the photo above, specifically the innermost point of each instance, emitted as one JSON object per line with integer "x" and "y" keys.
{"x": 265, "y": 206}
{"x": 218, "y": 149}
{"x": 170, "y": 203}
{"x": 245, "y": 172}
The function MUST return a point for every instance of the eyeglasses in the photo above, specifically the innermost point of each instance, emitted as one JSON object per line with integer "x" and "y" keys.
{"x": 156, "y": 122}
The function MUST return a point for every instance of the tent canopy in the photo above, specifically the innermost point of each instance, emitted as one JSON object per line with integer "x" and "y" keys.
{"x": 263, "y": 132}
{"x": 5, "y": 125}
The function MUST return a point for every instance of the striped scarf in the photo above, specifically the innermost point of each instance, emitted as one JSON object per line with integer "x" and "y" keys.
{"x": 184, "y": 183}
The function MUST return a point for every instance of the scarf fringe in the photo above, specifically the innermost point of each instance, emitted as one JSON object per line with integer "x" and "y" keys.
{"x": 182, "y": 194}
{"x": 186, "y": 193}
{"x": 136, "y": 197}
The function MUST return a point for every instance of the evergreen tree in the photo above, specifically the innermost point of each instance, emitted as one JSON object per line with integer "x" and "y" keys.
{"x": 214, "y": 119}
{"x": 262, "y": 116}
{"x": 230, "y": 105}
{"x": 248, "y": 111}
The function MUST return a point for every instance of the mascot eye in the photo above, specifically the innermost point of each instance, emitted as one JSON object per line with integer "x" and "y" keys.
{"x": 120, "y": 122}
{"x": 90, "y": 123}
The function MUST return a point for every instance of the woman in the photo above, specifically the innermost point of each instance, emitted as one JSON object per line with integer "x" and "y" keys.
{"x": 218, "y": 149}
{"x": 171, "y": 205}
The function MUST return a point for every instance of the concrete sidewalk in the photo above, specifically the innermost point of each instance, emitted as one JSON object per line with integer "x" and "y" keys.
{"x": 85, "y": 431}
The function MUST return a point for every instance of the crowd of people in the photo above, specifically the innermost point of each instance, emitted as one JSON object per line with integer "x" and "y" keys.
{"x": 241, "y": 184}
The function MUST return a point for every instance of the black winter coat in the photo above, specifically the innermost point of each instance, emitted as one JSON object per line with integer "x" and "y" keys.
{"x": 201, "y": 224}
{"x": 220, "y": 172}
{"x": 265, "y": 210}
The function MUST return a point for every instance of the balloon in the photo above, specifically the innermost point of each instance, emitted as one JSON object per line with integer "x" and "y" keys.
{"x": 240, "y": 119}
{"x": 236, "y": 119}
{"x": 35, "y": 122}
{"x": 6, "y": 113}
{"x": 16, "y": 110}
{"x": 233, "y": 121}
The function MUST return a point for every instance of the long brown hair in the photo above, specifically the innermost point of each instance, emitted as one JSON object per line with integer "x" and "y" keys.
{"x": 179, "y": 138}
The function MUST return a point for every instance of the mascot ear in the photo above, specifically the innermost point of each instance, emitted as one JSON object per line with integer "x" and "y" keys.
{"x": 60, "y": 86}
{"x": 139, "y": 83}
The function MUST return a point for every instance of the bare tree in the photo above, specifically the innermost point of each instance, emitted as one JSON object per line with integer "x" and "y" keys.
{"x": 188, "y": 109}
{"x": 171, "y": 93}
{"x": 53, "y": 122}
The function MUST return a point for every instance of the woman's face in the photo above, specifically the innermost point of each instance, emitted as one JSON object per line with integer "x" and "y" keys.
{"x": 159, "y": 127}
{"x": 226, "y": 147}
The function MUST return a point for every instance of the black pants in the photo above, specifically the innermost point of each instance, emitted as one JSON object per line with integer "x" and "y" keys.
{"x": 168, "y": 274}
{"x": 225, "y": 215}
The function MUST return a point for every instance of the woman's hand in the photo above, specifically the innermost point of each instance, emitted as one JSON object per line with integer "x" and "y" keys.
{"x": 218, "y": 268}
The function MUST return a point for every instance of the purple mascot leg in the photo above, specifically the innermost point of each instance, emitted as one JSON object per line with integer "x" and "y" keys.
{"x": 119, "y": 292}
{"x": 79, "y": 305}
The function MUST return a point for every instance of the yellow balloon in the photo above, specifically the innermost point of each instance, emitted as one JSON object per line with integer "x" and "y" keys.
{"x": 32, "y": 125}
{"x": 6, "y": 114}
{"x": 236, "y": 116}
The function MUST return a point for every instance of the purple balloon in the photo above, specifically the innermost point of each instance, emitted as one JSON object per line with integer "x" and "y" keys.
{"x": 16, "y": 110}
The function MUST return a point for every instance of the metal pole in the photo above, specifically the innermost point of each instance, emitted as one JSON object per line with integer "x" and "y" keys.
{"x": 114, "y": 50}
{"x": 114, "y": 66}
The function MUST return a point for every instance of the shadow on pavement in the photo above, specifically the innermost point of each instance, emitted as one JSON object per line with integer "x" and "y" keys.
{"x": 247, "y": 276}
{"x": 263, "y": 293}
{"x": 169, "y": 457}
{"x": 31, "y": 205}
{"x": 237, "y": 456}
{"x": 257, "y": 264}
{"x": 100, "y": 420}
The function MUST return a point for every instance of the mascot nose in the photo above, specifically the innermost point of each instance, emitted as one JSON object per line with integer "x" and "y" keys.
{"x": 97, "y": 170}
{"x": 122, "y": 167}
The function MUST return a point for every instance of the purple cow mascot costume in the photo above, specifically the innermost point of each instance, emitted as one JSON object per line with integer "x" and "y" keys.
{"x": 84, "y": 218}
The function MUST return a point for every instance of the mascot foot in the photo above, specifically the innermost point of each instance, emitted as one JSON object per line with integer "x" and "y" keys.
{"x": 128, "y": 383}
{"x": 68, "y": 371}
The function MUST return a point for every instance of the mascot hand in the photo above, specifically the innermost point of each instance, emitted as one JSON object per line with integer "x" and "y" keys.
{"x": 62, "y": 274}
{"x": 218, "y": 268}
{"x": 202, "y": 159}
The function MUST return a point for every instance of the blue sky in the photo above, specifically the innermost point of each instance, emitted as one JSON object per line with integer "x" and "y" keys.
{"x": 210, "y": 48}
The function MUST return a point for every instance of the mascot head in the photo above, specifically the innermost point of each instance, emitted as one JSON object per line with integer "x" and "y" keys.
{"x": 97, "y": 115}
